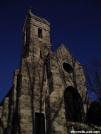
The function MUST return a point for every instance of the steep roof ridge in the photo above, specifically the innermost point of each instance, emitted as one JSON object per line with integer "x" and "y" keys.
{"x": 38, "y": 18}
{"x": 62, "y": 45}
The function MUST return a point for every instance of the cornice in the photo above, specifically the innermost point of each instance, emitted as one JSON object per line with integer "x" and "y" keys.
{"x": 38, "y": 18}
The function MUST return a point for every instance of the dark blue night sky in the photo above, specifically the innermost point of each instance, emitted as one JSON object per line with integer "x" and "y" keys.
{"x": 75, "y": 23}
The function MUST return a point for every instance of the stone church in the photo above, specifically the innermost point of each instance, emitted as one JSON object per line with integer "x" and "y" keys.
{"x": 48, "y": 94}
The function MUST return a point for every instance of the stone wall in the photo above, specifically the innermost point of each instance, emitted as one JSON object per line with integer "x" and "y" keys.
{"x": 40, "y": 82}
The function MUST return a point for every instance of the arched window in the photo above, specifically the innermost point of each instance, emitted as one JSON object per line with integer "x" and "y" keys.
{"x": 72, "y": 102}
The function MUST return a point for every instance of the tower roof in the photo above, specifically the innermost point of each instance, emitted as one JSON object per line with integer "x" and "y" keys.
{"x": 38, "y": 18}
{"x": 35, "y": 17}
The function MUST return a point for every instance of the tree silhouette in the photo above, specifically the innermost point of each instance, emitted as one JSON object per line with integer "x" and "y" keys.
{"x": 93, "y": 78}
{"x": 94, "y": 114}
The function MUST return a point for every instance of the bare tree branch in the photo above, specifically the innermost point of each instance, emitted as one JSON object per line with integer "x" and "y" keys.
{"x": 93, "y": 78}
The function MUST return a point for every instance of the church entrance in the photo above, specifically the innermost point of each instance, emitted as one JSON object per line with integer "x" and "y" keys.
{"x": 72, "y": 102}
{"x": 39, "y": 123}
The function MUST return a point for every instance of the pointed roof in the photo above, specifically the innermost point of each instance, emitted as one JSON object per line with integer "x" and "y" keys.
{"x": 63, "y": 46}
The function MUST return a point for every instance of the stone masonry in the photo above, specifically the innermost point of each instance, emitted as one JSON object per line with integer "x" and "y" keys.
{"x": 48, "y": 91}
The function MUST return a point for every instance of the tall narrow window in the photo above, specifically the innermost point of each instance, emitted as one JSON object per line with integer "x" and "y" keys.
{"x": 39, "y": 123}
{"x": 39, "y": 33}
{"x": 27, "y": 35}
{"x": 40, "y": 54}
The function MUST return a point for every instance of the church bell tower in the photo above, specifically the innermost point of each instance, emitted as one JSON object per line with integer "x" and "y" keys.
{"x": 48, "y": 95}
{"x": 36, "y": 36}
{"x": 33, "y": 72}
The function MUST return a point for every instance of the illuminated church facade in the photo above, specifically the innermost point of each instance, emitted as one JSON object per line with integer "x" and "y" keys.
{"x": 48, "y": 93}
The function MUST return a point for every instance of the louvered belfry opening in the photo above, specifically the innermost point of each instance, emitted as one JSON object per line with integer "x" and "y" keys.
{"x": 72, "y": 102}
{"x": 39, "y": 33}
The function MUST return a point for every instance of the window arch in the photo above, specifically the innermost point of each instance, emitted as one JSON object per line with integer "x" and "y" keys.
{"x": 72, "y": 102}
